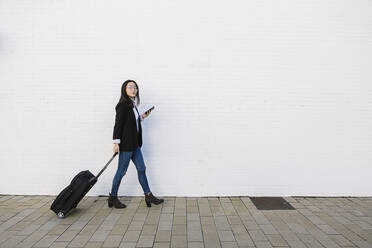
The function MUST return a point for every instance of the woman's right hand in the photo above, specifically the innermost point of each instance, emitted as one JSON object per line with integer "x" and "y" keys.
{"x": 116, "y": 148}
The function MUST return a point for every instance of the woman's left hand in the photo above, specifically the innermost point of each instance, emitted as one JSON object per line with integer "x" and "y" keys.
{"x": 145, "y": 115}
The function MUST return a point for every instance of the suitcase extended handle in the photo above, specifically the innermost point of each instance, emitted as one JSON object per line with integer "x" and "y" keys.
{"x": 104, "y": 168}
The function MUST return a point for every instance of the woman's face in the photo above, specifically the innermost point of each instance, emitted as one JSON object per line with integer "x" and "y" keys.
{"x": 131, "y": 89}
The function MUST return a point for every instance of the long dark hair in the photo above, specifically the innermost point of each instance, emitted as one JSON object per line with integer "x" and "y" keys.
{"x": 125, "y": 98}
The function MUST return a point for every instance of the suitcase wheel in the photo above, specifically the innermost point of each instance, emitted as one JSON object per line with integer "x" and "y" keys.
{"x": 61, "y": 215}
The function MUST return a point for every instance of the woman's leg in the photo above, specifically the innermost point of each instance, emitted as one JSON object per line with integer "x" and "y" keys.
{"x": 137, "y": 159}
{"x": 124, "y": 159}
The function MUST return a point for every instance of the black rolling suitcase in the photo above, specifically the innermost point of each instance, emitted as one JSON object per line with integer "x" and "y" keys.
{"x": 73, "y": 193}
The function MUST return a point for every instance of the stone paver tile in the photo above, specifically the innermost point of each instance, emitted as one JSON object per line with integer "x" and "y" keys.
{"x": 99, "y": 236}
{"x": 194, "y": 225}
{"x": 163, "y": 236}
{"x": 7, "y": 235}
{"x": 212, "y": 244}
{"x": 112, "y": 241}
{"x": 222, "y": 223}
{"x": 194, "y": 235}
{"x": 79, "y": 241}
{"x": 238, "y": 229}
{"x": 29, "y": 229}
{"x": 179, "y": 230}
{"x": 119, "y": 229}
{"x": 125, "y": 244}
{"x": 11, "y": 222}
{"x": 58, "y": 230}
{"x": 161, "y": 245}
{"x": 327, "y": 229}
{"x": 204, "y": 210}
{"x": 46, "y": 241}
{"x": 234, "y": 220}
{"x": 12, "y": 241}
{"x": 179, "y": 220}
{"x": 153, "y": 220}
{"x": 68, "y": 235}
{"x": 125, "y": 219}
{"x": 136, "y": 225}
{"x": 263, "y": 244}
{"x": 49, "y": 225}
{"x": 93, "y": 244}
{"x": 211, "y": 239}
{"x": 32, "y": 239}
{"x": 244, "y": 240}
{"x": 131, "y": 236}
{"x": 340, "y": 240}
{"x": 229, "y": 245}
{"x": 209, "y": 229}
{"x": 276, "y": 240}
{"x": 259, "y": 217}
{"x": 268, "y": 229}
{"x": 139, "y": 216}
{"x": 19, "y": 226}
{"x": 193, "y": 217}
{"x": 169, "y": 209}
{"x": 149, "y": 229}
{"x": 288, "y": 235}
{"x": 342, "y": 220}
{"x": 165, "y": 227}
{"x": 363, "y": 225}
{"x": 309, "y": 240}
{"x": 78, "y": 225}
{"x": 59, "y": 245}
{"x": 362, "y": 244}
{"x": 207, "y": 220}
{"x": 195, "y": 245}
{"x": 316, "y": 220}
{"x": 329, "y": 243}
{"x": 257, "y": 235}
{"x": 298, "y": 228}
{"x": 89, "y": 230}
{"x": 296, "y": 243}
{"x": 178, "y": 241}
{"x": 145, "y": 241}
{"x": 179, "y": 212}
{"x": 250, "y": 225}
{"x": 225, "y": 235}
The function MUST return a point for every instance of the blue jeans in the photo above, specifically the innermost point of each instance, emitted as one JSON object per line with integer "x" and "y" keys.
{"x": 124, "y": 159}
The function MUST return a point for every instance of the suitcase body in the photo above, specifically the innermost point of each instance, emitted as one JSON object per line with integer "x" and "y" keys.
{"x": 70, "y": 196}
{"x": 73, "y": 193}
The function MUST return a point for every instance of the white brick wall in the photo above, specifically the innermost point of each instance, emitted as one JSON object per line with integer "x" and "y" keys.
{"x": 252, "y": 97}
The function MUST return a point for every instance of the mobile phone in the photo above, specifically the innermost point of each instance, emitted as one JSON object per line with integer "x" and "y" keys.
{"x": 148, "y": 111}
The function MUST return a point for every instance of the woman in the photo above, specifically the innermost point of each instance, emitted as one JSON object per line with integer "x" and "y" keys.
{"x": 127, "y": 138}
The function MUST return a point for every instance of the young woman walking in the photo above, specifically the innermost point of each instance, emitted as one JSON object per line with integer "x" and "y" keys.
{"x": 127, "y": 138}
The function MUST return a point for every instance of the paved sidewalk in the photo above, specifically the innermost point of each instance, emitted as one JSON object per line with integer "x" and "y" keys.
{"x": 225, "y": 222}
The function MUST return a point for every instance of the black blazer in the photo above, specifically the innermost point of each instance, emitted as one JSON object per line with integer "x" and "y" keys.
{"x": 125, "y": 128}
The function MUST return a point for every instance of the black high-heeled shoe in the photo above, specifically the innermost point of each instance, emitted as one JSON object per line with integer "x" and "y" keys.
{"x": 150, "y": 198}
{"x": 114, "y": 201}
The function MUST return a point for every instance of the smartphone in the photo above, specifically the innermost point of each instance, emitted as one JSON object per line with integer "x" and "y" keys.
{"x": 148, "y": 111}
